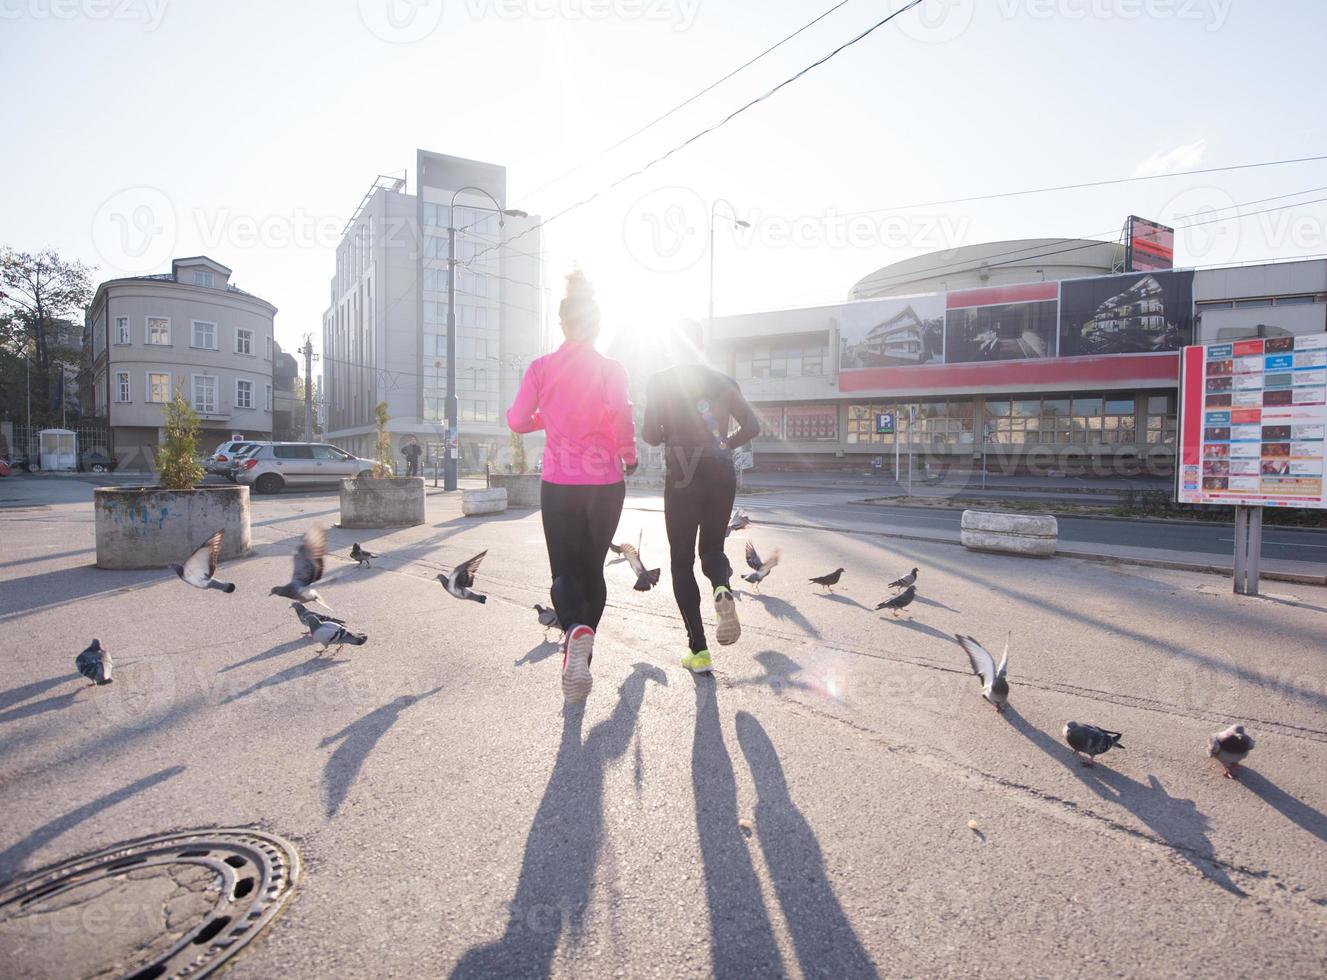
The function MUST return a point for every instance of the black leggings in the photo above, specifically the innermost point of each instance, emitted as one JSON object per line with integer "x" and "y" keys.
{"x": 579, "y": 522}
{"x": 699, "y": 504}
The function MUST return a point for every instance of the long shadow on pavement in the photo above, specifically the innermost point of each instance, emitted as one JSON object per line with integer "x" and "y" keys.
{"x": 842, "y": 599}
{"x": 54, "y": 703}
{"x": 824, "y": 940}
{"x": 543, "y": 651}
{"x": 782, "y": 609}
{"x": 13, "y": 857}
{"x": 912, "y": 624}
{"x": 305, "y": 669}
{"x": 562, "y": 848}
{"x": 1294, "y": 810}
{"x": 17, "y": 695}
{"x": 1176, "y": 821}
{"x": 742, "y": 940}
{"x": 267, "y": 654}
{"x": 357, "y": 741}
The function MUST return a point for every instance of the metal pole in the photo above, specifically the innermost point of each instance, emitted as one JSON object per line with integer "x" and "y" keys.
{"x": 448, "y": 453}
{"x": 308, "y": 387}
{"x": 896, "y": 445}
{"x": 1254, "y": 560}
{"x": 1241, "y": 548}
{"x": 709, "y": 322}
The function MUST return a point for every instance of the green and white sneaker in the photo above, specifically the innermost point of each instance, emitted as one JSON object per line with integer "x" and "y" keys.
{"x": 729, "y": 629}
{"x": 698, "y": 662}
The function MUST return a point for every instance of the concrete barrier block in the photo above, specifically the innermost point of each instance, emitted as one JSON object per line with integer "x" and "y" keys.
{"x": 378, "y": 503}
{"x": 151, "y": 527}
{"x": 477, "y": 502}
{"x": 1035, "y": 535}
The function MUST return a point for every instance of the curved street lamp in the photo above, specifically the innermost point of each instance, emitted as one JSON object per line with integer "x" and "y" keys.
{"x": 736, "y": 223}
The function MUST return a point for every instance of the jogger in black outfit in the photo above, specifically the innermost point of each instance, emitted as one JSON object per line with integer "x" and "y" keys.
{"x": 690, "y": 409}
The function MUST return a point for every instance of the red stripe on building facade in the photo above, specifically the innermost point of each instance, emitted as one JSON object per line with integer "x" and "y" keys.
{"x": 1062, "y": 372}
{"x": 1028, "y": 292}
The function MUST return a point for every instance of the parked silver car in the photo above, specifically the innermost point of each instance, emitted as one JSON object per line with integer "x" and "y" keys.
{"x": 271, "y": 467}
{"x": 237, "y": 459}
{"x": 219, "y": 462}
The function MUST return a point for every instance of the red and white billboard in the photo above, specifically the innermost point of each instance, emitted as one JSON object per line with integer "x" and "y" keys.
{"x": 1253, "y": 422}
{"x": 1151, "y": 246}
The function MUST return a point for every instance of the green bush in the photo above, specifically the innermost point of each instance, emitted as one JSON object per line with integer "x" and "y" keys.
{"x": 177, "y": 462}
{"x": 382, "y": 454}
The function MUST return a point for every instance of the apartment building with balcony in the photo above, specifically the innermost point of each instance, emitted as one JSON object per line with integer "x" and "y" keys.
{"x": 192, "y": 330}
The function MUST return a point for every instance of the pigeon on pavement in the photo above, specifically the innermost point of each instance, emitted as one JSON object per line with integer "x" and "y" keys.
{"x": 830, "y": 580}
{"x": 759, "y": 569}
{"x": 94, "y": 663}
{"x": 200, "y": 566}
{"x": 994, "y": 686}
{"x": 360, "y": 555}
{"x": 645, "y": 579}
{"x": 899, "y": 601}
{"x": 308, "y": 569}
{"x": 905, "y": 581}
{"x": 310, "y": 619}
{"x": 548, "y": 618}
{"x": 327, "y": 629}
{"x": 739, "y": 521}
{"x": 462, "y": 577}
{"x": 1090, "y": 740}
{"x": 1230, "y": 747}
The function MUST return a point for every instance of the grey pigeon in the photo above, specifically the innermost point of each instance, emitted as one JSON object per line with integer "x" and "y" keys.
{"x": 645, "y": 579}
{"x": 308, "y": 569}
{"x": 759, "y": 569}
{"x": 905, "y": 581}
{"x": 1090, "y": 740}
{"x": 462, "y": 577}
{"x": 830, "y": 580}
{"x": 328, "y": 632}
{"x": 360, "y": 555}
{"x": 94, "y": 663}
{"x": 899, "y": 601}
{"x": 1230, "y": 747}
{"x": 994, "y": 686}
{"x": 311, "y": 620}
{"x": 548, "y": 618}
{"x": 200, "y": 566}
{"x": 738, "y": 522}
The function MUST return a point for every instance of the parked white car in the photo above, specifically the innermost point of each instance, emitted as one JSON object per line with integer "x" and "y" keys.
{"x": 220, "y": 460}
{"x": 273, "y": 466}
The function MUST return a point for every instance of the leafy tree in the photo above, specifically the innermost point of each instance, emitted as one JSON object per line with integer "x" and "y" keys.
{"x": 40, "y": 293}
{"x": 382, "y": 455}
{"x": 177, "y": 462}
{"x": 519, "y": 464}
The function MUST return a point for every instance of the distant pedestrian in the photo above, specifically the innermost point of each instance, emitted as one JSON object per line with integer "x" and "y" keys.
{"x": 579, "y": 398}
{"x": 411, "y": 454}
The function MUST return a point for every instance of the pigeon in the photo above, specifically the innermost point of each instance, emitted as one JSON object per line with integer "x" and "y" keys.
{"x": 739, "y": 521}
{"x": 645, "y": 579}
{"x": 899, "y": 601}
{"x": 327, "y": 629}
{"x": 360, "y": 555}
{"x": 308, "y": 569}
{"x": 94, "y": 663}
{"x": 905, "y": 581}
{"x": 548, "y": 618}
{"x": 830, "y": 580}
{"x": 200, "y": 566}
{"x": 995, "y": 688}
{"x": 310, "y": 619}
{"x": 1090, "y": 740}
{"x": 617, "y": 548}
{"x": 759, "y": 569}
{"x": 1229, "y": 748}
{"x": 462, "y": 577}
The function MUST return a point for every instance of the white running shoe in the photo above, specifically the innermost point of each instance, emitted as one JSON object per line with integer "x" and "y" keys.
{"x": 576, "y": 677}
{"x": 729, "y": 629}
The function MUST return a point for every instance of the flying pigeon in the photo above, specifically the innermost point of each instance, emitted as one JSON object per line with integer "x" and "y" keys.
{"x": 830, "y": 580}
{"x": 360, "y": 555}
{"x": 310, "y": 619}
{"x": 462, "y": 577}
{"x": 200, "y": 566}
{"x": 899, "y": 601}
{"x": 548, "y": 618}
{"x": 617, "y": 548}
{"x": 1090, "y": 740}
{"x": 994, "y": 686}
{"x": 308, "y": 569}
{"x": 645, "y": 579}
{"x": 1230, "y": 747}
{"x": 759, "y": 569}
{"x": 738, "y": 522}
{"x": 94, "y": 663}
{"x": 905, "y": 581}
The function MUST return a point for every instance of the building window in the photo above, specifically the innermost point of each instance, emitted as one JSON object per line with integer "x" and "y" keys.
{"x": 158, "y": 331}
{"x": 1083, "y": 420}
{"x": 205, "y": 335}
{"x": 122, "y": 386}
{"x": 158, "y": 387}
{"x": 243, "y": 394}
{"x": 1161, "y": 421}
{"x": 269, "y": 348}
{"x": 203, "y": 277}
{"x": 771, "y": 422}
{"x": 244, "y": 341}
{"x": 122, "y": 330}
{"x": 802, "y": 423}
{"x": 205, "y": 394}
{"x": 268, "y": 401}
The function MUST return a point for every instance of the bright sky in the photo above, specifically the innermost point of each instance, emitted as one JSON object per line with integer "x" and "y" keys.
{"x": 249, "y": 130}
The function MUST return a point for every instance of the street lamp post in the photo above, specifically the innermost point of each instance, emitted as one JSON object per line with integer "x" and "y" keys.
{"x": 452, "y": 448}
{"x": 737, "y": 223}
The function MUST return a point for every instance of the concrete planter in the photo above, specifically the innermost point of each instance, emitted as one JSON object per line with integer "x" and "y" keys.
{"x": 522, "y": 488}
{"x": 475, "y": 503}
{"x": 397, "y": 501}
{"x": 1034, "y": 535}
{"x": 151, "y": 527}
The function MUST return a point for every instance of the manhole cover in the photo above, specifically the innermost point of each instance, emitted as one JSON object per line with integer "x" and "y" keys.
{"x": 175, "y": 905}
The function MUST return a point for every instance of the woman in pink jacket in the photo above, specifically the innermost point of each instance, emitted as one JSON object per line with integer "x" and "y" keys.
{"x": 579, "y": 398}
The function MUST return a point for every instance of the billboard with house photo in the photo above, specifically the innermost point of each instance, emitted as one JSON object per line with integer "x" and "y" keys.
{"x": 892, "y": 332}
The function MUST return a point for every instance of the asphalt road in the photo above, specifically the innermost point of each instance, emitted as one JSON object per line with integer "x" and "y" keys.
{"x": 836, "y": 801}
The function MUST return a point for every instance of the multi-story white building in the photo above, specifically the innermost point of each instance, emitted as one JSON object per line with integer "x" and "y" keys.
{"x": 187, "y": 330}
{"x": 385, "y": 332}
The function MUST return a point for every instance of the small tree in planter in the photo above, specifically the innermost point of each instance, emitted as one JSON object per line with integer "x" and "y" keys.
{"x": 519, "y": 464}
{"x": 177, "y": 462}
{"x": 382, "y": 453}
{"x": 384, "y": 500}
